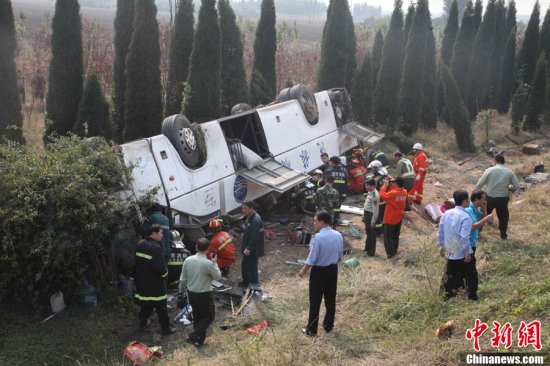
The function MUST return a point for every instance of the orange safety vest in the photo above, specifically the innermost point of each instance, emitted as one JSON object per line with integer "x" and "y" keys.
{"x": 223, "y": 244}
{"x": 420, "y": 163}
{"x": 395, "y": 203}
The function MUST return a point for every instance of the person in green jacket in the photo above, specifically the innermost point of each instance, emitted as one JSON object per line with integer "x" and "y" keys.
{"x": 155, "y": 216}
{"x": 252, "y": 245}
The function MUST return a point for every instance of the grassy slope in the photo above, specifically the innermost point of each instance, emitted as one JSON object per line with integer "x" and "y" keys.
{"x": 386, "y": 311}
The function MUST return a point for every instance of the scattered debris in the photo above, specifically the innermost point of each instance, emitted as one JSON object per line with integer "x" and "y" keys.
{"x": 539, "y": 167}
{"x": 445, "y": 330}
{"x": 517, "y": 202}
{"x": 351, "y": 210}
{"x": 140, "y": 353}
{"x": 354, "y": 233}
{"x": 537, "y": 178}
{"x": 247, "y": 296}
{"x": 436, "y": 183}
{"x": 531, "y": 149}
{"x": 352, "y": 262}
{"x": 255, "y": 329}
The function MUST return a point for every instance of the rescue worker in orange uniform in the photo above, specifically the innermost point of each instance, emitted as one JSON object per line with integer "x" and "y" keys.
{"x": 221, "y": 244}
{"x": 356, "y": 176}
{"x": 395, "y": 196}
{"x": 420, "y": 165}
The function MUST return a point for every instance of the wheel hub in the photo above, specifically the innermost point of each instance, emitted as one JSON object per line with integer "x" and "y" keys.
{"x": 188, "y": 138}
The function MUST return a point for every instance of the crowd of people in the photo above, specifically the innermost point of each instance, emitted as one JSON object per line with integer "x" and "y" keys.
{"x": 387, "y": 197}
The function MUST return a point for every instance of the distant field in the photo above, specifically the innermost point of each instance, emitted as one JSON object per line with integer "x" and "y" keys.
{"x": 310, "y": 29}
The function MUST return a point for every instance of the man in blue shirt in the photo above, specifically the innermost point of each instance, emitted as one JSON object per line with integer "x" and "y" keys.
{"x": 454, "y": 243}
{"x": 325, "y": 251}
{"x": 478, "y": 213}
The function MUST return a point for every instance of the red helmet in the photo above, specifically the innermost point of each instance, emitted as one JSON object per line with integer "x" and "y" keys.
{"x": 355, "y": 162}
{"x": 215, "y": 224}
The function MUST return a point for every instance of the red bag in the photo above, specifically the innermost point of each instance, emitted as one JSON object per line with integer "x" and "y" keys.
{"x": 255, "y": 329}
{"x": 140, "y": 353}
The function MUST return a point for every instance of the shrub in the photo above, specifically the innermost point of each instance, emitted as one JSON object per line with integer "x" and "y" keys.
{"x": 61, "y": 220}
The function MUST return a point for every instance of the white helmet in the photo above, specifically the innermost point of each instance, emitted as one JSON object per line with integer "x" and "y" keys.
{"x": 382, "y": 171}
{"x": 375, "y": 165}
{"x": 418, "y": 146}
{"x": 317, "y": 171}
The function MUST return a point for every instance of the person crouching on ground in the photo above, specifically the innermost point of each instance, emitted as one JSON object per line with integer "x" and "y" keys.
{"x": 395, "y": 196}
{"x": 222, "y": 245}
{"x": 325, "y": 251}
{"x": 150, "y": 279}
{"x": 197, "y": 274}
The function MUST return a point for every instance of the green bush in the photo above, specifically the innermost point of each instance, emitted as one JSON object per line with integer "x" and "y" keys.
{"x": 61, "y": 215}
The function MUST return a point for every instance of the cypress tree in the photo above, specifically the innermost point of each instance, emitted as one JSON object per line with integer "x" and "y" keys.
{"x": 481, "y": 55}
{"x": 449, "y": 35}
{"x": 413, "y": 70}
{"x": 448, "y": 4}
{"x": 93, "y": 110}
{"x": 377, "y": 48}
{"x": 362, "y": 91}
{"x": 458, "y": 113}
{"x": 544, "y": 36}
{"x": 527, "y": 58}
{"x": 335, "y": 56}
{"x": 511, "y": 22}
{"x": 428, "y": 117}
{"x": 386, "y": 95}
{"x": 462, "y": 51}
{"x": 478, "y": 11}
{"x": 508, "y": 78}
{"x": 123, "y": 26}
{"x": 495, "y": 63}
{"x": 537, "y": 97}
{"x": 519, "y": 105}
{"x": 263, "y": 81}
{"x": 351, "y": 65}
{"x": 10, "y": 104}
{"x": 65, "y": 74}
{"x": 233, "y": 78}
{"x": 408, "y": 23}
{"x": 201, "y": 100}
{"x": 181, "y": 46}
{"x": 143, "y": 108}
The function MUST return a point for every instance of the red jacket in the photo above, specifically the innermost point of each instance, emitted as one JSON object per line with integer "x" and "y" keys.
{"x": 420, "y": 163}
{"x": 226, "y": 253}
{"x": 395, "y": 203}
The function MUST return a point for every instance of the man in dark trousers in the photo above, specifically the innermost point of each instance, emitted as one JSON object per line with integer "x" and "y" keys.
{"x": 155, "y": 216}
{"x": 453, "y": 238}
{"x": 395, "y": 197}
{"x": 252, "y": 245}
{"x": 340, "y": 175}
{"x": 150, "y": 275}
{"x": 325, "y": 251}
{"x": 197, "y": 274}
{"x": 497, "y": 181}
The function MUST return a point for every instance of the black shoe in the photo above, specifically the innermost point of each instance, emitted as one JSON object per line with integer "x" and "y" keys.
{"x": 194, "y": 343}
{"x": 327, "y": 329}
{"x": 169, "y": 331}
{"x": 504, "y": 237}
{"x": 308, "y": 333}
{"x": 473, "y": 298}
{"x": 417, "y": 202}
{"x": 242, "y": 284}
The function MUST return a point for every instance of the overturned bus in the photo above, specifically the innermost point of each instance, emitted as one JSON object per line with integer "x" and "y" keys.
{"x": 207, "y": 170}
